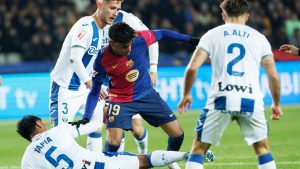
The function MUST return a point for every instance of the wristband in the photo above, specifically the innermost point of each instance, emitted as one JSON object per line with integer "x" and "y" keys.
{"x": 153, "y": 67}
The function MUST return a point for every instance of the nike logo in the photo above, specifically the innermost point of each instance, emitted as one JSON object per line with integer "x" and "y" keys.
{"x": 171, "y": 115}
{"x": 85, "y": 24}
{"x": 95, "y": 39}
{"x": 114, "y": 66}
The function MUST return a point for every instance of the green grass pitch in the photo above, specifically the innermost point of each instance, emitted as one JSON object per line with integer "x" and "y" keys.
{"x": 233, "y": 153}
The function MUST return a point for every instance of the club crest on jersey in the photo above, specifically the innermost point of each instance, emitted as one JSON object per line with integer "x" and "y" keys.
{"x": 132, "y": 75}
{"x": 130, "y": 63}
{"x": 93, "y": 51}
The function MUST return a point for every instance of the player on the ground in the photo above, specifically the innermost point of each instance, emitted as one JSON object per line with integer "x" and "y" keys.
{"x": 57, "y": 148}
{"x": 290, "y": 49}
{"x": 131, "y": 92}
{"x": 236, "y": 52}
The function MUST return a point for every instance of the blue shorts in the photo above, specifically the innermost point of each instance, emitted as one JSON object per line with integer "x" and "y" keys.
{"x": 152, "y": 108}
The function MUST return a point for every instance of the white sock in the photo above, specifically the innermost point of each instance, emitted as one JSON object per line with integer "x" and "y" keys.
{"x": 174, "y": 166}
{"x": 193, "y": 165}
{"x": 266, "y": 162}
{"x": 195, "y": 161}
{"x": 142, "y": 143}
{"x": 94, "y": 144}
{"x": 269, "y": 165}
{"x": 122, "y": 145}
{"x": 161, "y": 158}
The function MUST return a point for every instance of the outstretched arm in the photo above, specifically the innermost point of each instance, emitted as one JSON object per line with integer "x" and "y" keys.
{"x": 290, "y": 49}
{"x": 164, "y": 34}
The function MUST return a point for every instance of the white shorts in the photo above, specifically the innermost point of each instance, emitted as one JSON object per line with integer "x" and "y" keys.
{"x": 121, "y": 161}
{"x": 65, "y": 103}
{"x": 212, "y": 123}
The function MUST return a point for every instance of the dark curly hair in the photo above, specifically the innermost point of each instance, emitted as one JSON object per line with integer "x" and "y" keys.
{"x": 235, "y": 8}
{"x": 26, "y": 126}
{"x": 121, "y": 32}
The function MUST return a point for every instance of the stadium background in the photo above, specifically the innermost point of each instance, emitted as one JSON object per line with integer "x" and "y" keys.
{"x": 32, "y": 32}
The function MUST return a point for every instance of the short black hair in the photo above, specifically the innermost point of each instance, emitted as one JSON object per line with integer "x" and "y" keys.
{"x": 121, "y": 32}
{"x": 26, "y": 126}
{"x": 235, "y": 8}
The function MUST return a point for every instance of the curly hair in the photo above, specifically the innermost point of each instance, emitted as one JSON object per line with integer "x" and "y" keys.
{"x": 121, "y": 32}
{"x": 235, "y": 8}
{"x": 26, "y": 126}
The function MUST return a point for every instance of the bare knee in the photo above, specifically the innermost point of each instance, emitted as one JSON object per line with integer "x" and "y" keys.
{"x": 261, "y": 147}
{"x": 114, "y": 136}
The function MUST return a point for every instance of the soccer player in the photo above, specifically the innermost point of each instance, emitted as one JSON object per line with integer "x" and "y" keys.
{"x": 71, "y": 76}
{"x": 236, "y": 52}
{"x": 290, "y": 49}
{"x": 57, "y": 148}
{"x": 131, "y": 92}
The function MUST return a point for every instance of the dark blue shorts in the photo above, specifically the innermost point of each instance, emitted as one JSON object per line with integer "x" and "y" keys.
{"x": 152, "y": 108}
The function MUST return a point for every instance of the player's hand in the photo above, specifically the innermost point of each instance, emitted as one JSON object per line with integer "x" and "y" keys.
{"x": 79, "y": 122}
{"x": 103, "y": 94}
{"x": 153, "y": 77}
{"x": 276, "y": 112}
{"x": 89, "y": 84}
{"x": 289, "y": 49}
{"x": 186, "y": 101}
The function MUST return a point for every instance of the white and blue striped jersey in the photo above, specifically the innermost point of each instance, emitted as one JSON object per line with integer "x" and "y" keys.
{"x": 84, "y": 34}
{"x": 236, "y": 52}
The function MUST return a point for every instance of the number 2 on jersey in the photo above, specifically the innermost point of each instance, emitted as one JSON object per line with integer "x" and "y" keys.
{"x": 230, "y": 65}
{"x": 60, "y": 157}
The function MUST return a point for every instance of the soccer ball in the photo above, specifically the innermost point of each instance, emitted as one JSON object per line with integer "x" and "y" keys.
{"x": 210, "y": 156}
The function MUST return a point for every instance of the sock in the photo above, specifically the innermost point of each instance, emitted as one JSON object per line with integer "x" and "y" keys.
{"x": 174, "y": 143}
{"x": 110, "y": 148}
{"x": 122, "y": 145}
{"x": 266, "y": 162}
{"x": 94, "y": 142}
{"x": 161, "y": 158}
{"x": 142, "y": 142}
{"x": 195, "y": 161}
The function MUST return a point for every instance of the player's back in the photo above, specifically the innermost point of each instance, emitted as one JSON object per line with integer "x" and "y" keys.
{"x": 235, "y": 51}
{"x": 56, "y": 148}
{"x": 84, "y": 34}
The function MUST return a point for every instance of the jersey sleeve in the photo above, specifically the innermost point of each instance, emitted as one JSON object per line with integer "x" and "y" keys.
{"x": 148, "y": 36}
{"x": 81, "y": 35}
{"x": 204, "y": 43}
{"x": 266, "y": 47}
{"x": 134, "y": 22}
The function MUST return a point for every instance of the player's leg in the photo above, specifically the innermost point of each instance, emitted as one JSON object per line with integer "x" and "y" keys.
{"x": 94, "y": 140}
{"x": 209, "y": 129}
{"x": 140, "y": 134}
{"x": 119, "y": 118}
{"x": 157, "y": 158}
{"x": 255, "y": 131}
{"x": 157, "y": 113}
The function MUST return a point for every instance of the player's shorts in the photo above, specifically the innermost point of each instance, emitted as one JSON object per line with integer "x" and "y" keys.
{"x": 122, "y": 160}
{"x": 212, "y": 123}
{"x": 152, "y": 108}
{"x": 65, "y": 103}
{"x": 137, "y": 116}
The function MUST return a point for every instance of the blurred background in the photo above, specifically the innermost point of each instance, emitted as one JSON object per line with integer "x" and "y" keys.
{"x": 32, "y": 33}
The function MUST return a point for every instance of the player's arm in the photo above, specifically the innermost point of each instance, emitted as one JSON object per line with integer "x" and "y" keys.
{"x": 290, "y": 49}
{"x": 274, "y": 85}
{"x": 80, "y": 43}
{"x": 198, "y": 58}
{"x": 164, "y": 34}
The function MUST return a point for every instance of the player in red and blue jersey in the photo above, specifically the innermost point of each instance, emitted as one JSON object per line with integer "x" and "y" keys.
{"x": 130, "y": 89}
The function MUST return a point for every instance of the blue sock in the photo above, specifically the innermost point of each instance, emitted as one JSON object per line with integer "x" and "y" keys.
{"x": 197, "y": 158}
{"x": 265, "y": 159}
{"x": 110, "y": 148}
{"x": 143, "y": 136}
{"x": 174, "y": 143}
